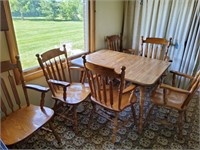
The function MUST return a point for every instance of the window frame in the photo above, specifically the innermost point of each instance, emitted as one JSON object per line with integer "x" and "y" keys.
{"x": 36, "y": 72}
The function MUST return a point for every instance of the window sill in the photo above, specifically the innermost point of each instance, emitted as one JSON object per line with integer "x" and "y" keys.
{"x": 36, "y": 72}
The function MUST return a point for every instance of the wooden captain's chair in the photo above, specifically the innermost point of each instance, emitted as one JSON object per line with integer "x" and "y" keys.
{"x": 55, "y": 66}
{"x": 155, "y": 48}
{"x": 114, "y": 42}
{"x": 19, "y": 121}
{"x": 175, "y": 98}
{"x": 109, "y": 95}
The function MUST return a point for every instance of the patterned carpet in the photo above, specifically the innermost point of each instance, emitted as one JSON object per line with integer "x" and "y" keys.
{"x": 98, "y": 135}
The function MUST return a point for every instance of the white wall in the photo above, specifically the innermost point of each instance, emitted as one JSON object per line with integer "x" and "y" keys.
{"x": 109, "y": 15}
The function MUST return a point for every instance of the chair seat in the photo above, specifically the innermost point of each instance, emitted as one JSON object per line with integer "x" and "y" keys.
{"x": 76, "y": 93}
{"x": 125, "y": 102}
{"x": 173, "y": 99}
{"x": 23, "y": 122}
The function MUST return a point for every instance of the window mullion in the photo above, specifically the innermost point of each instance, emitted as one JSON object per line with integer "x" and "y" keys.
{"x": 11, "y": 39}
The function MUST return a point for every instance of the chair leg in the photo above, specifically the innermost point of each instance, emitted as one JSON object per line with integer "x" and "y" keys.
{"x": 148, "y": 114}
{"x": 55, "y": 105}
{"x": 134, "y": 114}
{"x": 54, "y": 132}
{"x": 82, "y": 80}
{"x": 115, "y": 127}
{"x": 75, "y": 118}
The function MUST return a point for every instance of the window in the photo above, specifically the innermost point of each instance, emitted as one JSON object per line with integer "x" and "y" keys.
{"x": 35, "y": 72}
{"x": 41, "y": 25}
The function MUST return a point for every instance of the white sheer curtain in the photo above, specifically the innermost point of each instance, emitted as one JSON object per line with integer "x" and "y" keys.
{"x": 179, "y": 19}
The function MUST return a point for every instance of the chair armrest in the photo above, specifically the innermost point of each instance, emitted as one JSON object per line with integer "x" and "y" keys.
{"x": 37, "y": 87}
{"x": 60, "y": 83}
{"x": 182, "y": 74}
{"x": 41, "y": 89}
{"x": 129, "y": 88}
{"x": 175, "y": 89}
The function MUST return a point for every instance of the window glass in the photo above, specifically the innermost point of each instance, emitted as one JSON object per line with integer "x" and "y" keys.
{"x": 41, "y": 25}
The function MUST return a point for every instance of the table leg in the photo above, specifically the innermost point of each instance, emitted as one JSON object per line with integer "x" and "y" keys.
{"x": 141, "y": 107}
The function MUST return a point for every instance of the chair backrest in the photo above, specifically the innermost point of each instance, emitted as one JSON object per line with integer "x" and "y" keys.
{"x": 103, "y": 89}
{"x": 113, "y": 42}
{"x": 55, "y": 66}
{"x": 155, "y": 48}
{"x": 9, "y": 93}
{"x": 195, "y": 84}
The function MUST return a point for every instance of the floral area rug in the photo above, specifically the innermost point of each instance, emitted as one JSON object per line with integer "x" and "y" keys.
{"x": 98, "y": 136}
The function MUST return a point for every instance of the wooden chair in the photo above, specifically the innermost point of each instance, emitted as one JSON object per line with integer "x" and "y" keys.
{"x": 175, "y": 98}
{"x": 55, "y": 66}
{"x": 114, "y": 42}
{"x": 108, "y": 95}
{"x": 19, "y": 122}
{"x": 155, "y": 48}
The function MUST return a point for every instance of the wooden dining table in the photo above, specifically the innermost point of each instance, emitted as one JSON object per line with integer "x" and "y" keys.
{"x": 140, "y": 70}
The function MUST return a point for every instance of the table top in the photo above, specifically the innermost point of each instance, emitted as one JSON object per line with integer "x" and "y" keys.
{"x": 139, "y": 70}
